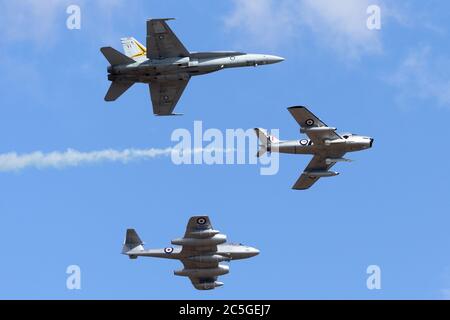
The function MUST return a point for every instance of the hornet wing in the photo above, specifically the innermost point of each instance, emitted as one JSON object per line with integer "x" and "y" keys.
{"x": 162, "y": 42}
{"x": 312, "y": 126}
{"x": 165, "y": 95}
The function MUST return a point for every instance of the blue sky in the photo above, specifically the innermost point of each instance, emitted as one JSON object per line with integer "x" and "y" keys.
{"x": 389, "y": 207}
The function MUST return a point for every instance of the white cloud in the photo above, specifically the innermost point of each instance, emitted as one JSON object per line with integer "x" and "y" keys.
{"x": 41, "y": 22}
{"x": 422, "y": 75}
{"x": 340, "y": 25}
{"x": 29, "y": 19}
{"x": 72, "y": 158}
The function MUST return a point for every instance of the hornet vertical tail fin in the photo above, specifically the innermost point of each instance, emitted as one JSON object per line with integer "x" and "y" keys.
{"x": 133, "y": 48}
{"x": 265, "y": 140}
{"x": 132, "y": 244}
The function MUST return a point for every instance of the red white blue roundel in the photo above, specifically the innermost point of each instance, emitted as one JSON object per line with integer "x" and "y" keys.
{"x": 309, "y": 122}
{"x": 201, "y": 220}
{"x": 168, "y": 250}
{"x": 304, "y": 142}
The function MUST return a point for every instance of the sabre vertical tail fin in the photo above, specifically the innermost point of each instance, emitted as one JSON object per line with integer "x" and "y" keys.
{"x": 265, "y": 139}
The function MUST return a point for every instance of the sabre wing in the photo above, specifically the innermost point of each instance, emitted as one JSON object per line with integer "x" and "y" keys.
{"x": 317, "y": 163}
{"x": 307, "y": 120}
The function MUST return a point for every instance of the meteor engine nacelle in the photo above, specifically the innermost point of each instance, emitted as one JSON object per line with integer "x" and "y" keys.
{"x": 321, "y": 174}
{"x": 213, "y": 241}
{"x": 209, "y": 259}
{"x": 203, "y": 273}
{"x": 204, "y": 234}
{"x": 208, "y": 285}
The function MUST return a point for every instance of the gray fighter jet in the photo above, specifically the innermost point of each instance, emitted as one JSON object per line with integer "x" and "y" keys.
{"x": 202, "y": 250}
{"x": 327, "y": 146}
{"x": 166, "y": 65}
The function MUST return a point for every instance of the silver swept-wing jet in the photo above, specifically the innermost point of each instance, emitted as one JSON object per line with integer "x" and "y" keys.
{"x": 326, "y": 146}
{"x": 202, "y": 249}
{"x": 167, "y": 66}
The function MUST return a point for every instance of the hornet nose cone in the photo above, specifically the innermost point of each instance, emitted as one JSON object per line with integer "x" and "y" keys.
{"x": 274, "y": 59}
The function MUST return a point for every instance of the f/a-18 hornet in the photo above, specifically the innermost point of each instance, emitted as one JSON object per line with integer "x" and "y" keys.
{"x": 202, "y": 249}
{"x": 327, "y": 146}
{"x": 166, "y": 65}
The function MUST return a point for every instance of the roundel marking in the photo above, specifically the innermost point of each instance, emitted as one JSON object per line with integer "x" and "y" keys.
{"x": 232, "y": 58}
{"x": 201, "y": 220}
{"x": 166, "y": 97}
{"x": 309, "y": 122}
{"x": 303, "y": 142}
{"x": 168, "y": 250}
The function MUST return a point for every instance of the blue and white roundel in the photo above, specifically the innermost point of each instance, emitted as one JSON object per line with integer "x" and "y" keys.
{"x": 309, "y": 122}
{"x": 201, "y": 220}
{"x": 304, "y": 142}
{"x": 168, "y": 250}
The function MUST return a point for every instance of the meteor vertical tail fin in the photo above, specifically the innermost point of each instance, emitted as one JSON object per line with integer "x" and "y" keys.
{"x": 132, "y": 243}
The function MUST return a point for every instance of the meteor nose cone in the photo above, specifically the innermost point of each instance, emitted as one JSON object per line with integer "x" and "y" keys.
{"x": 253, "y": 252}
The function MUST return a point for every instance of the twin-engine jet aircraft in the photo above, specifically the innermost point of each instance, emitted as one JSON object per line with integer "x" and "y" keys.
{"x": 202, "y": 250}
{"x": 166, "y": 65}
{"x": 327, "y": 146}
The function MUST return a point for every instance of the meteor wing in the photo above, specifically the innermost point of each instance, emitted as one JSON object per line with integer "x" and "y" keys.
{"x": 312, "y": 126}
{"x": 165, "y": 95}
{"x": 162, "y": 42}
{"x": 199, "y": 227}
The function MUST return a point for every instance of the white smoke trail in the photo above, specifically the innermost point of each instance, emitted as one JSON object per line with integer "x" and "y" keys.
{"x": 12, "y": 161}
{"x": 71, "y": 158}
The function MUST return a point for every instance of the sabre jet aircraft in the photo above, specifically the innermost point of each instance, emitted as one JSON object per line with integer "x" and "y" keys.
{"x": 166, "y": 65}
{"x": 202, "y": 250}
{"x": 327, "y": 146}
